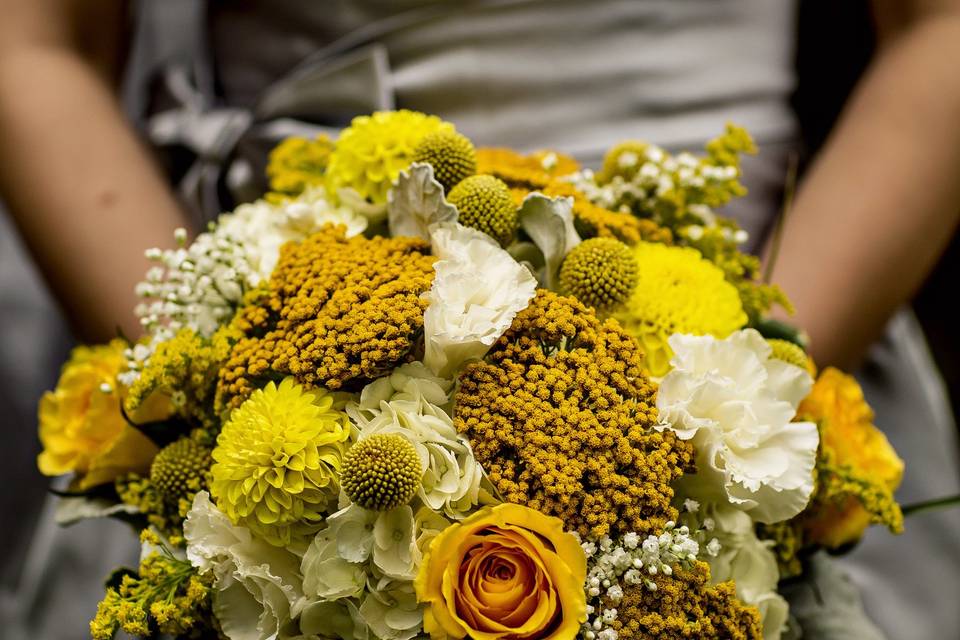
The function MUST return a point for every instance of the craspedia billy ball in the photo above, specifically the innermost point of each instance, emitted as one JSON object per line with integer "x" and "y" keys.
{"x": 484, "y": 203}
{"x": 381, "y": 472}
{"x": 791, "y": 353}
{"x": 451, "y": 155}
{"x": 600, "y": 272}
{"x": 180, "y": 468}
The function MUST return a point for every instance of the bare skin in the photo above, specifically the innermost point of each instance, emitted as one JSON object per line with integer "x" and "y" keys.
{"x": 882, "y": 200}
{"x": 80, "y": 185}
{"x": 70, "y": 163}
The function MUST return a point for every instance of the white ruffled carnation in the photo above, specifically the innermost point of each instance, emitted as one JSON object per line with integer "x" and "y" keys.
{"x": 411, "y": 402}
{"x": 477, "y": 290}
{"x": 255, "y": 583}
{"x": 736, "y": 403}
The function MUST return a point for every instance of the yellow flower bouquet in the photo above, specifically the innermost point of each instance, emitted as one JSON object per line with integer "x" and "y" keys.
{"x": 423, "y": 389}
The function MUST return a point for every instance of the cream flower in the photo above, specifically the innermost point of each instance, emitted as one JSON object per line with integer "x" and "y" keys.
{"x": 736, "y": 404}
{"x": 746, "y": 560}
{"x": 416, "y": 202}
{"x": 477, "y": 291}
{"x": 393, "y": 613}
{"x": 255, "y": 583}
{"x": 411, "y": 402}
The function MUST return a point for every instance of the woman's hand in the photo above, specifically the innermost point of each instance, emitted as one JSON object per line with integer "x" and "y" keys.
{"x": 882, "y": 200}
{"x": 78, "y": 183}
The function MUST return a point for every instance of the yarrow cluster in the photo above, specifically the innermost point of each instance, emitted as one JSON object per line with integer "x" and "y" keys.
{"x": 425, "y": 389}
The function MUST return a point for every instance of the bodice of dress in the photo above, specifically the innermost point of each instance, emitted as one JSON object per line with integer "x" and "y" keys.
{"x": 571, "y": 75}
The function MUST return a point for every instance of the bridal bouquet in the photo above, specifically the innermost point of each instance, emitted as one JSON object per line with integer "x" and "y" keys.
{"x": 423, "y": 389}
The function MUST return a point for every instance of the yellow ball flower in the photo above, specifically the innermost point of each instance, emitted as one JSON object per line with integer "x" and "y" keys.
{"x": 451, "y": 155}
{"x": 600, "y": 272}
{"x": 858, "y": 468}
{"x": 677, "y": 291}
{"x": 277, "y": 461}
{"x": 382, "y": 472}
{"x": 180, "y": 469}
{"x": 792, "y": 353}
{"x": 374, "y": 149}
{"x": 81, "y": 426}
{"x": 484, "y": 203}
{"x": 505, "y": 572}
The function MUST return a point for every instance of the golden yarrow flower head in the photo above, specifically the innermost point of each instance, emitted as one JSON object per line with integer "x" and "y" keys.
{"x": 382, "y": 472}
{"x": 677, "y": 291}
{"x": 451, "y": 154}
{"x": 600, "y": 272}
{"x": 373, "y": 150}
{"x": 484, "y": 203}
{"x": 298, "y": 163}
{"x": 180, "y": 469}
{"x": 278, "y": 459}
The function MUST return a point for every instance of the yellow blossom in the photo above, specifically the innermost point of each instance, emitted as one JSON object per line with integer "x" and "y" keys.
{"x": 505, "y": 572}
{"x": 677, "y": 291}
{"x": 374, "y": 149}
{"x": 277, "y": 461}
{"x": 81, "y": 425}
{"x": 561, "y": 416}
{"x": 858, "y": 470}
{"x": 296, "y": 164}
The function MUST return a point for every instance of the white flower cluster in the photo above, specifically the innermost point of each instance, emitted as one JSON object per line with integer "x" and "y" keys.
{"x": 633, "y": 561}
{"x": 655, "y": 176}
{"x": 200, "y": 286}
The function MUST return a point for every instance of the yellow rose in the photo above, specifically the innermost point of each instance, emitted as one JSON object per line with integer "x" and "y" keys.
{"x": 863, "y": 468}
{"x": 81, "y": 426}
{"x": 507, "y": 572}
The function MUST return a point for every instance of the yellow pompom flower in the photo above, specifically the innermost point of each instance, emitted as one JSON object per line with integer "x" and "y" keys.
{"x": 277, "y": 461}
{"x": 382, "y": 472}
{"x": 82, "y": 428}
{"x": 374, "y": 149}
{"x": 600, "y": 272}
{"x": 677, "y": 291}
{"x": 505, "y": 572}
{"x": 451, "y": 155}
{"x": 858, "y": 470}
{"x": 484, "y": 203}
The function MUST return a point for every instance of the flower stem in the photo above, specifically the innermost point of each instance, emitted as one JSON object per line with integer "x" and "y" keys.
{"x": 930, "y": 505}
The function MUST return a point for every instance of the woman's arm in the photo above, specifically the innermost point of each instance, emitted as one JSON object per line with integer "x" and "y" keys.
{"x": 78, "y": 183}
{"x": 882, "y": 200}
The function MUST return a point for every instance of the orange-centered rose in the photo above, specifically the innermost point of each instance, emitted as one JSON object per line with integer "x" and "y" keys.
{"x": 506, "y": 573}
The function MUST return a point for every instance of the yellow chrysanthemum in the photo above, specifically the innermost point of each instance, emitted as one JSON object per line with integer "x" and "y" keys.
{"x": 857, "y": 469}
{"x": 600, "y": 272}
{"x": 451, "y": 155}
{"x": 277, "y": 461}
{"x": 81, "y": 425}
{"x": 677, "y": 291}
{"x": 298, "y": 163}
{"x": 374, "y": 149}
{"x": 484, "y": 203}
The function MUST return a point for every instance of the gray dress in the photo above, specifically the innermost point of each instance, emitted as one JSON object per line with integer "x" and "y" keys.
{"x": 575, "y": 76}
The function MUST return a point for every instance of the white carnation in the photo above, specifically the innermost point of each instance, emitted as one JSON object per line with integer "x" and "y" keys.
{"x": 477, "y": 290}
{"x": 255, "y": 583}
{"x": 736, "y": 404}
